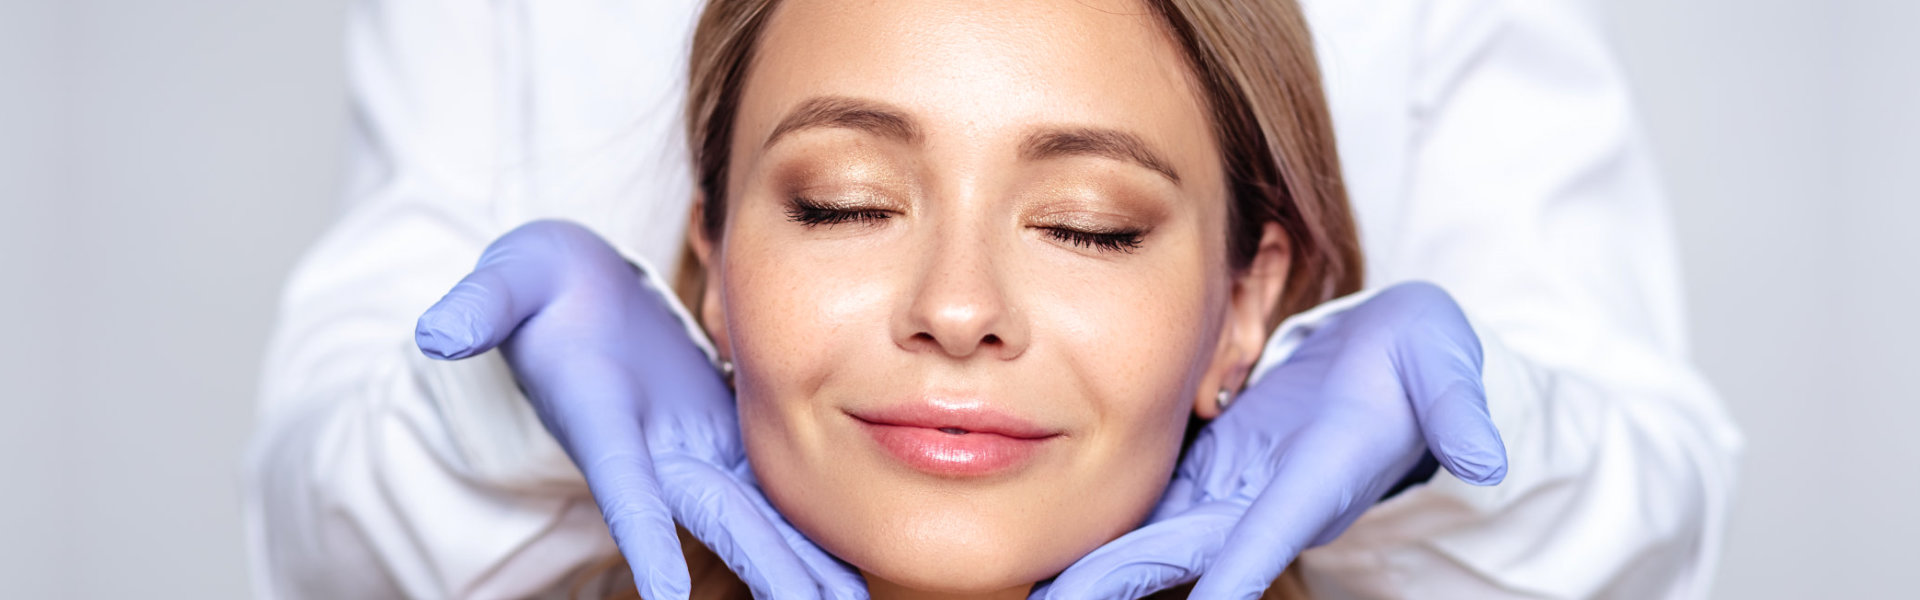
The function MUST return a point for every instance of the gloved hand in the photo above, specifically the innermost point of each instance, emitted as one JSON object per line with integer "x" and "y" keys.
{"x": 615, "y": 378}
{"x": 1306, "y": 449}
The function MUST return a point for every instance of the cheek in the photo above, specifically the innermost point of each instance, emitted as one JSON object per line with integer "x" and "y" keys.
{"x": 791, "y": 314}
{"x": 794, "y": 319}
{"x": 1139, "y": 340}
{"x": 796, "y": 316}
{"x": 1137, "y": 345}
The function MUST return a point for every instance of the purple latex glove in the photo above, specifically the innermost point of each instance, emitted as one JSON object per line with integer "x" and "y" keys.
{"x": 1308, "y": 448}
{"x": 637, "y": 406}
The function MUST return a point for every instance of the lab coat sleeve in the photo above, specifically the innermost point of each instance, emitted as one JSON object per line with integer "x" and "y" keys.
{"x": 376, "y": 472}
{"x": 1531, "y": 198}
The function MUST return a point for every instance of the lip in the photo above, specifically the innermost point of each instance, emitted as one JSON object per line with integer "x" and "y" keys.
{"x": 954, "y": 439}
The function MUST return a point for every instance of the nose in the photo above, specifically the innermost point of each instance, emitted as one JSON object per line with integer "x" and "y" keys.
{"x": 961, "y": 305}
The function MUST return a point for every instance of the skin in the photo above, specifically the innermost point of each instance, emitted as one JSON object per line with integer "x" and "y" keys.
{"x": 953, "y": 280}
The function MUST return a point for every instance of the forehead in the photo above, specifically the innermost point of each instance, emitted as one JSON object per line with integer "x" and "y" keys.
{"x": 981, "y": 69}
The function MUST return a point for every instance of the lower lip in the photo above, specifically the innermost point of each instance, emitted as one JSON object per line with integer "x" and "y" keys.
{"x": 953, "y": 455}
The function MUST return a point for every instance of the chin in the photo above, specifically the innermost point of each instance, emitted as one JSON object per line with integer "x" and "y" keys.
{"x": 939, "y": 580}
{"x": 974, "y": 545}
{"x": 928, "y": 537}
{"x": 975, "y": 563}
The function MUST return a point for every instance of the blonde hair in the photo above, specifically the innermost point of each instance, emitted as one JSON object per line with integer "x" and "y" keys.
{"x": 1255, "y": 65}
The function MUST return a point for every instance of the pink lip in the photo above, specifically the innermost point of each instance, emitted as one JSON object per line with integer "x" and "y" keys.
{"x": 954, "y": 440}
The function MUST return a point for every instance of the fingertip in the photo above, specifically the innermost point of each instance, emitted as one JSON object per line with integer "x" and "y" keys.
{"x": 671, "y": 583}
{"x": 1462, "y": 436}
{"x": 644, "y": 531}
{"x": 1486, "y": 461}
{"x": 1498, "y": 475}
{"x": 723, "y": 514}
{"x": 1480, "y": 461}
{"x": 657, "y": 562}
{"x": 1474, "y": 468}
{"x": 445, "y": 332}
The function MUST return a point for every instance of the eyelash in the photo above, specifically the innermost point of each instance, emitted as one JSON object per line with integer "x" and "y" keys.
{"x": 812, "y": 214}
{"x": 1114, "y": 241}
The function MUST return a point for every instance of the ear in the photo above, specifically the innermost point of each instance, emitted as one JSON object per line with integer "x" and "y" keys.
{"x": 708, "y": 300}
{"x": 1244, "y": 333}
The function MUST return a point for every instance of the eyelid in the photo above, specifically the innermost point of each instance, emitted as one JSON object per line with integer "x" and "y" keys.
{"x": 1118, "y": 241}
{"x": 1090, "y": 221}
{"x": 1084, "y": 229}
{"x": 860, "y": 198}
{"x": 814, "y": 213}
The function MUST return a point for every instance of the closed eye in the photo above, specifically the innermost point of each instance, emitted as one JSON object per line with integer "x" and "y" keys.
{"x": 814, "y": 214}
{"x": 1126, "y": 240}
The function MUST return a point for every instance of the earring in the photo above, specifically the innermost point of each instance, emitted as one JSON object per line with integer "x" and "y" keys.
{"x": 1223, "y": 398}
{"x": 726, "y": 370}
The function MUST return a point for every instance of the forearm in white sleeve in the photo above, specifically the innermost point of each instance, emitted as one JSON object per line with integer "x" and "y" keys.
{"x": 1530, "y": 197}
{"x": 376, "y": 472}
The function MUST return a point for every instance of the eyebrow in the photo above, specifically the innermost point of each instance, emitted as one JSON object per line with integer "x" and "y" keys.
{"x": 886, "y": 121}
{"x": 848, "y": 113}
{"x": 1095, "y": 141}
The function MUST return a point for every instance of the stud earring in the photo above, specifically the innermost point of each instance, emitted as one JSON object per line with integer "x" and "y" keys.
{"x": 726, "y": 370}
{"x": 1223, "y": 398}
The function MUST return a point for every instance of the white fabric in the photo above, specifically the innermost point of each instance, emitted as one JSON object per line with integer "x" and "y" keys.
{"x": 1490, "y": 146}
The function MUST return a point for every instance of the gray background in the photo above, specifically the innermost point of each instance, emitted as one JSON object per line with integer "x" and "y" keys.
{"x": 163, "y": 164}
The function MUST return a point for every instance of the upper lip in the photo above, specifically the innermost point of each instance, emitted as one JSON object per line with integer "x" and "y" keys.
{"x": 967, "y": 415}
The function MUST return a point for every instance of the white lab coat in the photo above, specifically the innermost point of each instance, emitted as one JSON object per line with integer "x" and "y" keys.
{"x": 1489, "y": 145}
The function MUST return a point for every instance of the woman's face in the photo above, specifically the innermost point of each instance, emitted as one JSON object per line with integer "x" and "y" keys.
{"x": 973, "y": 278}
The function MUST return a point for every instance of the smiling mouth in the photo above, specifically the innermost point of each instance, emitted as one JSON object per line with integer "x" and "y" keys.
{"x": 954, "y": 440}
{"x": 953, "y": 417}
{"x": 952, "y": 452}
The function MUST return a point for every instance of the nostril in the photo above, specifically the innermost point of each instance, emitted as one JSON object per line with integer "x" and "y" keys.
{"x": 990, "y": 339}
